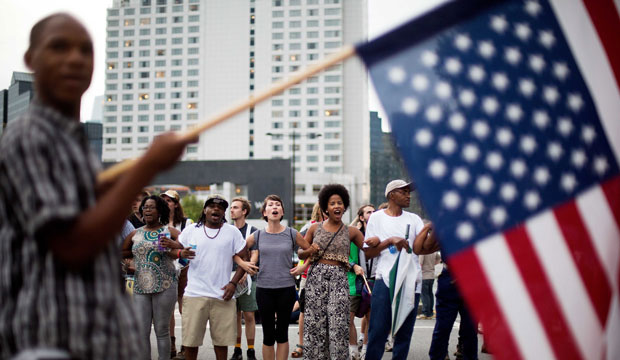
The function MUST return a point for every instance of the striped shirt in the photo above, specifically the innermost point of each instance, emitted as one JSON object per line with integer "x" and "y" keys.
{"x": 47, "y": 178}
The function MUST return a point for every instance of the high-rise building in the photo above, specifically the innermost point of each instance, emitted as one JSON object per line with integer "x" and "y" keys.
{"x": 173, "y": 63}
{"x": 17, "y": 97}
{"x": 93, "y": 131}
{"x": 3, "y": 109}
{"x": 97, "y": 113}
{"x": 386, "y": 165}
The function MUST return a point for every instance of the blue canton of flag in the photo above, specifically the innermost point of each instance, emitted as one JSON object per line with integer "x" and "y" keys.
{"x": 508, "y": 148}
{"x": 494, "y": 121}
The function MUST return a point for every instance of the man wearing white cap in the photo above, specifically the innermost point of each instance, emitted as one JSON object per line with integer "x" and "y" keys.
{"x": 388, "y": 232}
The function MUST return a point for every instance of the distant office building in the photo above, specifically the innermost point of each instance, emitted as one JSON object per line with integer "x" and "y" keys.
{"x": 15, "y": 100}
{"x": 94, "y": 133}
{"x": 386, "y": 165}
{"x": 172, "y": 63}
{"x": 97, "y": 114}
{"x": 252, "y": 179}
{"x": 3, "y": 109}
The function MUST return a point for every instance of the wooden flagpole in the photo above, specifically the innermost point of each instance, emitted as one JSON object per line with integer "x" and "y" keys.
{"x": 346, "y": 52}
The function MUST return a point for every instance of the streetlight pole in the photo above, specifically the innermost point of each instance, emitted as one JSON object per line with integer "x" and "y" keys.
{"x": 293, "y": 180}
{"x": 293, "y": 134}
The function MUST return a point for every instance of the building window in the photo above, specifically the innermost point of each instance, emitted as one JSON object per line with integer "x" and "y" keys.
{"x": 332, "y": 112}
{"x": 332, "y": 22}
{"x": 332, "y": 147}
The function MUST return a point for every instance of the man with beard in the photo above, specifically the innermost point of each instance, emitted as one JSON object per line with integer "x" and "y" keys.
{"x": 211, "y": 245}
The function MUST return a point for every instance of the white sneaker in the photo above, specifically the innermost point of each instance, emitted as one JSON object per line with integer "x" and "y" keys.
{"x": 354, "y": 355}
{"x": 363, "y": 354}
{"x": 360, "y": 342}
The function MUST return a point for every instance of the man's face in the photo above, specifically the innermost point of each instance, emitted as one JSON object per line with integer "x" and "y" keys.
{"x": 401, "y": 197}
{"x": 171, "y": 204}
{"x": 62, "y": 60}
{"x": 236, "y": 210}
{"x": 214, "y": 214}
{"x": 136, "y": 204}
{"x": 368, "y": 210}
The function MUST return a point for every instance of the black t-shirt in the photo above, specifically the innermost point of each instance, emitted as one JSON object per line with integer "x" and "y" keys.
{"x": 133, "y": 219}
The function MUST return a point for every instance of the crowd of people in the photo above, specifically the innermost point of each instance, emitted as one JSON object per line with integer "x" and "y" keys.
{"x": 65, "y": 228}
{"x": 340, "y": 265}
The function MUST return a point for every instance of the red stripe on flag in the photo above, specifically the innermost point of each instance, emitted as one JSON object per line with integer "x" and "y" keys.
{"x": 474, "y": 287}
{"x": 606, "y": 20}
{"x": 611, "y": 188}
{"x": 543, "y": 297}
{"x": 585, "y": 257}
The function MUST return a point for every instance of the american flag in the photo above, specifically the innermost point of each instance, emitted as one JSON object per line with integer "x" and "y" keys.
{"x": 507, "y": 114}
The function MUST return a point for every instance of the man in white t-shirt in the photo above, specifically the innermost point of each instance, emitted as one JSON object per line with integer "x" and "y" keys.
{"x": 385, "y": 237}
{"x": 211, "y": 245}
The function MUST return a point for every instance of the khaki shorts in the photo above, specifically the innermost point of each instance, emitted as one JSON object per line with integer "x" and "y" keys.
{"x": 220, "y": 314}
{"x": 355, "y": 303}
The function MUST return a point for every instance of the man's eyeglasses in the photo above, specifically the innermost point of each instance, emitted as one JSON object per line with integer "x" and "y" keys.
{"x": 403, "y": 190}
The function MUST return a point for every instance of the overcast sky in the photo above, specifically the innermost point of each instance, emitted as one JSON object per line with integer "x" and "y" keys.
{"x": 18, "y": 16}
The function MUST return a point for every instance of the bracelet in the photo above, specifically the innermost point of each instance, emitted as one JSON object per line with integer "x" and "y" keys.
{"x": 230, "y": 282}
{"x": 351, "y": 266}
{"x": 179, "y": 253}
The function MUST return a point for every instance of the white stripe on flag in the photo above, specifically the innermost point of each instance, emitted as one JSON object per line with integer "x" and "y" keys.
{"x": 613, "y": 329}
{"x": 592, "y": 60}
{"x": 566, "y": 282}
{"x": 512, "y": 297}
{"x": 601, "y": 225}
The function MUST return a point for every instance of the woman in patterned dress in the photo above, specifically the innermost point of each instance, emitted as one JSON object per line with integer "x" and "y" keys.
{"x": 155, "y": 287}
{"x": 326, "y": 317}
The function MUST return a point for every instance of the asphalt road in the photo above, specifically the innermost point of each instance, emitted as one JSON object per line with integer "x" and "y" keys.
{"x": 420, "y": 342}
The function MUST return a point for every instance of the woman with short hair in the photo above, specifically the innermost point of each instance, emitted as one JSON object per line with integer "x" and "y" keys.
{"x": 275, "y": 284}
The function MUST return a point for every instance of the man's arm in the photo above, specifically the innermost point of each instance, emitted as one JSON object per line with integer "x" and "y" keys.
{"x": 424, "y": 242}
{"x": 398, "y": 242}
{"x": 93, "y": 229}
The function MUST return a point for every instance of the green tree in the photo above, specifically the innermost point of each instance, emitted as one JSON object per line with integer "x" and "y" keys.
{"x": 192, "y": 207}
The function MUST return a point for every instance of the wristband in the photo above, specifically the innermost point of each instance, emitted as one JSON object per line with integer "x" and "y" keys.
{"x": 179, "y": 254}
{"x": 230, "y": 282}
{"x": 351, "y": 265}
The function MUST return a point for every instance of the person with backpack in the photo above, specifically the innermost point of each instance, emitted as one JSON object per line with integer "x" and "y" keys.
{"x": 275, "y": 288}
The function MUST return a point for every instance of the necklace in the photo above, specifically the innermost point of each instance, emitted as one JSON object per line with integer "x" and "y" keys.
{"x": 204, "y": 228}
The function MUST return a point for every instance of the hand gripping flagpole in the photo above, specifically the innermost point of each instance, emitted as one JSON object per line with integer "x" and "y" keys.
{"x": 346, "y": 52}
